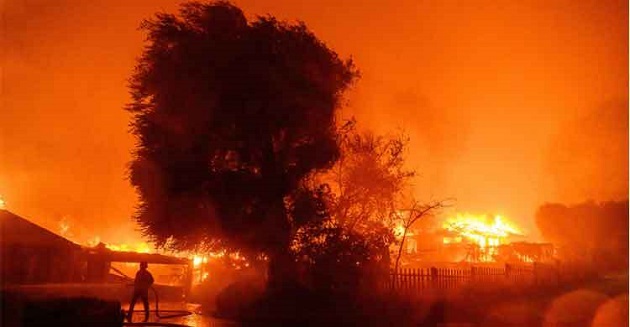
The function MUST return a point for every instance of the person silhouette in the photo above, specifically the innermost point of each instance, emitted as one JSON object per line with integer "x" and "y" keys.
{"x": 141, "y": 286}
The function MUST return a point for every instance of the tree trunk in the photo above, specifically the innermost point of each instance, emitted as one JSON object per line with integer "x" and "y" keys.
{"x": 400, "y": 249}
{"x": 282, "y": 269}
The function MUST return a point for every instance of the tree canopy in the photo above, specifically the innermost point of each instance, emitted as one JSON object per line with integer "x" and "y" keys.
{"x": 588, "y": 231}
{"x": 231, "y": 116}
{"x": 369, "y": 179}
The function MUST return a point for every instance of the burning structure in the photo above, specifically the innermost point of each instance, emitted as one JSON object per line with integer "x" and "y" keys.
{"x": 467, "y": 238}
{"x": 32, "y": 255}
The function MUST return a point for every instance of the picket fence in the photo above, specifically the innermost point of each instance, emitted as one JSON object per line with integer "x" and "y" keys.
{"x": 436, "y": 278}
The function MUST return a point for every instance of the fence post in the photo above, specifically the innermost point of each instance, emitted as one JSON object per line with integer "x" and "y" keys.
{"x": 422, "y": 277}
{"x": 535, "y": 272}
{"x": 557, "y": 270}
{"x": 406, "y": 278}
{"x": 414, "y": 277}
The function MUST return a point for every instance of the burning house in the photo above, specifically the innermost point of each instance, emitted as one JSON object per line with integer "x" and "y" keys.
{"x": 468, "y": 238}
{"x": 32, "y": 256}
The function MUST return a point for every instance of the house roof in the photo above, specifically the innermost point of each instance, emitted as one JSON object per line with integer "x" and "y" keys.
{"x": 120, "y": 256}
{"x": 15, "y": 230}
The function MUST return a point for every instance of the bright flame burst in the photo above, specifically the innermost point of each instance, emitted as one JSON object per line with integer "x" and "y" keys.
{"x": 199, "y": 261}
{"x": 140, "y": 247}
{"x": 2, "y": 203}
{"x": 399, "y": 226}
{"x": 480, "y": 230}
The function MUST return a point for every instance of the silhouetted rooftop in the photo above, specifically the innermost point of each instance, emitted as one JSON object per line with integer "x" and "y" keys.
{"x": 20, "y": 231}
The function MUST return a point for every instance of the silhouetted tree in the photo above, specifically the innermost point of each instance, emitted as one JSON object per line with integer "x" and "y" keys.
{"x": 337, "y": 259}
{"x": 588, "y": 232}
{"x": 408, "y": 217}
{"x": 231, "y": 115}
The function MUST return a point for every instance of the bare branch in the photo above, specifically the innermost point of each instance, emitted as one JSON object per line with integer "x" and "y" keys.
{"x": 416, "y": 212}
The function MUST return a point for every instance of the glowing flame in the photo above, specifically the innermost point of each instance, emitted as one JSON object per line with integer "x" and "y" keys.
{"x": 64, "y": 227}
{"x": 2, "y": 203}
{"x": 140, "y": 247}
{"x": 200, "y": 261}
{"x": 479, "y": 230}
{"x": 94, "y": 241}
{"x": 399, "y": 230}
{"x": 399, "y": 226}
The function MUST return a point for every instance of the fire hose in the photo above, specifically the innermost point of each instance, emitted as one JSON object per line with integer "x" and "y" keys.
{"x": 173, "y": 313}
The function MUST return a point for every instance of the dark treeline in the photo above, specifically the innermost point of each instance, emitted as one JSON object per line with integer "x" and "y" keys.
{"x": 594, "y": 233}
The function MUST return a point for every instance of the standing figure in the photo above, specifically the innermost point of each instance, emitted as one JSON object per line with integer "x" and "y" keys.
{"x": 141, "y": 286}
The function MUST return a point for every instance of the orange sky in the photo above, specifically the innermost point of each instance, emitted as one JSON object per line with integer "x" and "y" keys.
{"x": 508, "y": 103}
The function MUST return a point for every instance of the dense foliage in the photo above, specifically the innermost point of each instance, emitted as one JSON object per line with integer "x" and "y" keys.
{"x": 231, "y": 115}
{"x": 348, "y": 245}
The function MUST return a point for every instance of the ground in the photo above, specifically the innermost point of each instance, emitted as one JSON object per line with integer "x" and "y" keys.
{"x": 196, "y": 319}
{"x": 599, "y": 303}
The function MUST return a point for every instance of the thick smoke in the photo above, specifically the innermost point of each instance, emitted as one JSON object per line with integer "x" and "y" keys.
{"x": 589, "y": 232}
{"x": 478, "y": 86}
{"x": 588, "y": 157}
{"x": 437, "y": 137}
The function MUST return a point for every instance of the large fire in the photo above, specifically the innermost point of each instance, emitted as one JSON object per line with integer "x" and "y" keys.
{"x": 485, "y": 234}
{"x": 480, "y": 230}
{"x": 140, "y": 247}
{"x": 199, "y": 260}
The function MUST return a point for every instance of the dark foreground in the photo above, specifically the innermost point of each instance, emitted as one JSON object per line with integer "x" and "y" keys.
{"x": 595, "y": 303}
{"x": 598, "y": 303}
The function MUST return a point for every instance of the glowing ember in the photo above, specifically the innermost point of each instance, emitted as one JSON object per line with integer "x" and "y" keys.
{"x": 138, "y": 247}
{"x": 399, "y": 226}
{"x": 2, "y": 203}
{"x": 399, "y": 230}
{"x": 93, "y": 241}
{"x": 199, "y": 259}
{"x": 479, "y": 230}
{"x": 64, "y": 228}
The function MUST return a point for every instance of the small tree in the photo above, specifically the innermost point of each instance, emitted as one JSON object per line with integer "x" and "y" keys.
{"x": 369, "y": 178}
{"x": 415, "y": 213}
{"x": 359, "y": 197}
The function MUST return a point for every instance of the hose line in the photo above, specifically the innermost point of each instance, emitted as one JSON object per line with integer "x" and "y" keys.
{"x": 161, "y": 324}
{"x": 175, "y": 313}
